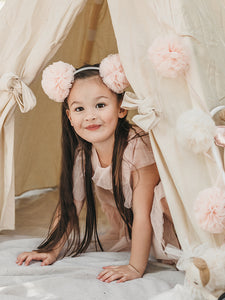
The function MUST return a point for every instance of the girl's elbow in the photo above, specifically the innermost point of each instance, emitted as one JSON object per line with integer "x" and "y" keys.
{"x": 143, "y": 219}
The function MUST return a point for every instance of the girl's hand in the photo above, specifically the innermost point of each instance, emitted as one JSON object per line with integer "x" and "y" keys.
{"x": 119, "y": 273}
{"x": 46, "y": 258}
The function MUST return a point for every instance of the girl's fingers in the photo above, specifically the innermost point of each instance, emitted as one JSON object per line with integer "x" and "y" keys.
{"x": 47, "y": 261}
{"x": 123, "y": 279}
{"x": 110, "y": 274}
{"x": 110, "y": 267}
{"x": 21, "y": 258}
{"x": 114, "y": 277}
{"x": 27, "y": 257}
{"x": 105, "y": 275}
{"x": 30, "y": 258}
{"x": 119, "y": 273}
{"x": 100, "y": 275}
{"x": 106, "y": 269}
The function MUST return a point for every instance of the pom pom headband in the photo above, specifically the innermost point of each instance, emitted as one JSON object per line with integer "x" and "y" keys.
{"x": 86, "y": 68}
{"x": 57, "y": 79}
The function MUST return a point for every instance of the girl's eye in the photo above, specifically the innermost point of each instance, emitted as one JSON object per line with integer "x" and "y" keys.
{"x": 78, "y": 109}
{"x": 100, "y": 105}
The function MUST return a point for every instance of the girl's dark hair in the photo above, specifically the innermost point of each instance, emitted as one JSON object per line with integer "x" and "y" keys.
{"x": 67, "y": 226}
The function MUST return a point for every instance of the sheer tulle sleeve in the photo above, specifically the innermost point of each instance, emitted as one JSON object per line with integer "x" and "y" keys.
{"x": 138, "y": 153}
{"x": 78, "y": 179}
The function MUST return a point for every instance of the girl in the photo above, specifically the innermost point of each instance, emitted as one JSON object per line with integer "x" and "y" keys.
{"x": 102, "y": 154}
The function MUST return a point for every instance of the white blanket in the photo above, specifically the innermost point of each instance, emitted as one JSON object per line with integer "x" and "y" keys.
{"x": 70, "y": 278}
{"x": 75, "y": 278}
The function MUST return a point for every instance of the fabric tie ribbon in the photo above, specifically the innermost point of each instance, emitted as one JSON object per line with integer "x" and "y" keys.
{"x": 22, "y": 94}
{"x": 148, "y": 116}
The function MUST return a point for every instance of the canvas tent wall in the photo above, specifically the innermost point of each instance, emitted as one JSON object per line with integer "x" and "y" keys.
{"x": 136, "y": 25}
{"x": 78, "y": 48}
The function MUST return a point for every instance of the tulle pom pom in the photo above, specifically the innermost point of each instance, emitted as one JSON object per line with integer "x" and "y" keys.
{"x": 209, "y": 210}
{"x": 112, "y": 73}
{"x": 169, "y": 56}
{"x": 57, "y": 80}
{"x": 195, "y": 131}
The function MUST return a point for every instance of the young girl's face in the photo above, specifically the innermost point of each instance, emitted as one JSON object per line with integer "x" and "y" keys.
{"x": 94, "y": 111}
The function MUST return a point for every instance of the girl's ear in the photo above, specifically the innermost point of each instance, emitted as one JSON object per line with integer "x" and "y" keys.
{"x": 122, "y": 113}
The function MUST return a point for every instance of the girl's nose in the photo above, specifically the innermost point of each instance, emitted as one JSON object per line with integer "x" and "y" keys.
{"x": 90, "y": 116}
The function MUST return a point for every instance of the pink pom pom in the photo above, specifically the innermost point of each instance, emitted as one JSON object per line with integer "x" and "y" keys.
{"x": 168, "y": 56}
{"x": 209, "y": 210}
{"x": 112, "y": 73}
{"x": 57, "y": 80}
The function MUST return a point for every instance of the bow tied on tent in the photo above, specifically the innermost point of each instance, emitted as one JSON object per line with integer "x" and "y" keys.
{"x": 148, "y": 116}
{"x": 17, "y": 89}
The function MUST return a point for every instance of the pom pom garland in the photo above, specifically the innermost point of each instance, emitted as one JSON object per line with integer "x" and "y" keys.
{"x": 169, "y": 56}
{"x": 195, "y": 131}
{"x": 209, "y": 210}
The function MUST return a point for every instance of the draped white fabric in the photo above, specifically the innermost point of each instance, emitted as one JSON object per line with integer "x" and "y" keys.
{"x": 32, "y": 31}
{"x": 161, "y": 100}
{"x": 30, "y": 34}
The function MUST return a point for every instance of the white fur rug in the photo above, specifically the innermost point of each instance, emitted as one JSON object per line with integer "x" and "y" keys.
{"x": 70, "y": 278}
{"x": 75, "y": 278}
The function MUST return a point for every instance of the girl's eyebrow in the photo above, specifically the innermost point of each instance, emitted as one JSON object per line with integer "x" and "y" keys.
{"x": 99, "y": 97}
{"x": 75, "y": 102}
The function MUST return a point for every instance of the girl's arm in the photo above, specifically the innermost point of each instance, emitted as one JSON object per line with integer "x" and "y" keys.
{"x": 48, "y": 258}
{"x": 144, "y": 182}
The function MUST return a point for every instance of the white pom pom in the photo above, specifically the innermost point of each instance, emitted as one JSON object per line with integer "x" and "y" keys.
{"x": 195, "y": 130}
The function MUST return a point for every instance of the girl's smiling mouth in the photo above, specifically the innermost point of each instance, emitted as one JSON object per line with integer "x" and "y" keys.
{"x": 93, "y": 127}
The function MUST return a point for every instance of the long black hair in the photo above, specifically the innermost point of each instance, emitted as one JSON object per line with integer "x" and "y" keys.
{"x": 67, "y": 221}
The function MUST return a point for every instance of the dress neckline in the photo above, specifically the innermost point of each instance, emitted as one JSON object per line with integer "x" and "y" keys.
{"x": 97, "y": 160}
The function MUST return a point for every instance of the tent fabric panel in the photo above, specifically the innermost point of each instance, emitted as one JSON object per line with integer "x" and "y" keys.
{"x": 24, "y": 51}
{"x": 31, "y": 31}
{"x": 183, "y": 173}
{"x": 38, "y": 133}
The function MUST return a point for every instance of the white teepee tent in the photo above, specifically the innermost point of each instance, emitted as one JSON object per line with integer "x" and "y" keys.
{"x": 31, "y": 33}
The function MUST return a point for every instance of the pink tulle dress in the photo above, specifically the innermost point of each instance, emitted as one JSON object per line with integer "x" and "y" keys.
{"x": 138, "y": 154}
